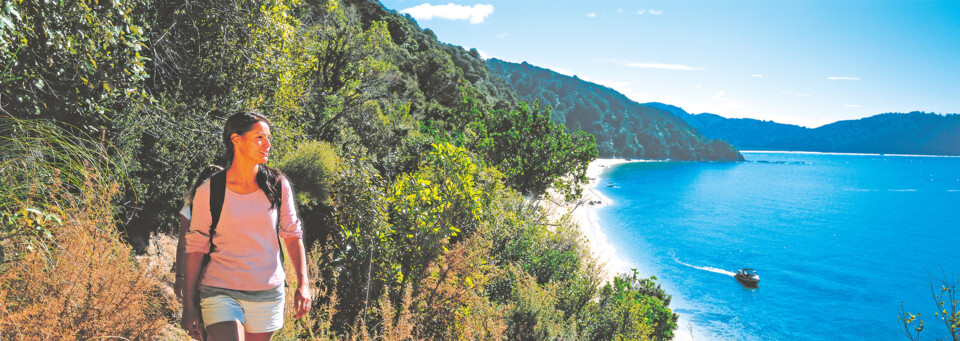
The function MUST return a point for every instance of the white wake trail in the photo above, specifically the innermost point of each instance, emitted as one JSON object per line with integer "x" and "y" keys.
{"x": 707, "y": 268}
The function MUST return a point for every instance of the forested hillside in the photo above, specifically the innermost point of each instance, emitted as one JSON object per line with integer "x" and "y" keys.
{"x": 892, "y": 133}
{"x": 743, "y": 133}
{"x": 914, "y": 133}
{"x": 622, "y": 127}
{"x": 415, "y": 169}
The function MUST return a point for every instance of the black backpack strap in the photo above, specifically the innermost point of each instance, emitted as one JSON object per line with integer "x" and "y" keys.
{"x": 279, "y": 243}
{"x": 218, "y": 187}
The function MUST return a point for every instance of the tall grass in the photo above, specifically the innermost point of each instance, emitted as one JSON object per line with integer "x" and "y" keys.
{"x": 77, "y": 279}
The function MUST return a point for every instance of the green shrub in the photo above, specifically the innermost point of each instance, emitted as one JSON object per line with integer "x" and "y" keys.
{"x": 531, "y": 313}
{"x": 630, "y": 308}
{"x": 312, "y": 167}
{"x": 440, "y": 201}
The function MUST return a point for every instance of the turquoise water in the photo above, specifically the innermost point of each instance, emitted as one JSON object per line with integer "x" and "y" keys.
{"x": 839, "y": 241}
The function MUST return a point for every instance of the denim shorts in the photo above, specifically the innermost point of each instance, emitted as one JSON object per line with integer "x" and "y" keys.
{"x": 258, "y": 311}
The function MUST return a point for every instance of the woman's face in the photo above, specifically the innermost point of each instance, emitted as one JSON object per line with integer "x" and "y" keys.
{"x": 254, "y": 145}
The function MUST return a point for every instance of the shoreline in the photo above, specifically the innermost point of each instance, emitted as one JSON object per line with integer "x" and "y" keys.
{"x": 584, "y": 214}
{"x": 838, "y": 153}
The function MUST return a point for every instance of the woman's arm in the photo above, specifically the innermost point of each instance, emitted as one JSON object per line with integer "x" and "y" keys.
{"x": 196, "y": 243}
{"x": 181, "y": 259}
{"x": 301, "y": 299}
{"x": 191, "y": 321}
{"x": 291, "y": 231}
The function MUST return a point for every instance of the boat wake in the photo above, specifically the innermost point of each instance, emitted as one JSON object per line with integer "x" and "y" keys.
{"x": 706, "y": 268}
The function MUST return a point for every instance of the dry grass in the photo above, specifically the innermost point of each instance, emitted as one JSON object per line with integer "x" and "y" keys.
{"x": 450, "y": 303}
{"x": 86, "y": 286}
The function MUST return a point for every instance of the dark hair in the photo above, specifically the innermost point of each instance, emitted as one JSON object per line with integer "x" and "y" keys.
{"x": 205, "y": 174}
{"x": 268, "y": 179}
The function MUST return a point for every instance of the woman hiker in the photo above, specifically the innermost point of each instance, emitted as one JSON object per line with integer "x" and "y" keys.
{"x": 240, "y": 288}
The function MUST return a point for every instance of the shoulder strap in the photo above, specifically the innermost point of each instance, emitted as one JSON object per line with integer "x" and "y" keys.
{"x": 218, "y": 187}
{"x": 279, "y": 243}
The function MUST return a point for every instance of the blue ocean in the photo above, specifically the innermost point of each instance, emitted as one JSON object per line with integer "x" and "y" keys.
{"x": 839, "y": 241}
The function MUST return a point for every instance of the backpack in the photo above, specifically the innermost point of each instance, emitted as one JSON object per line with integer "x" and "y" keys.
{"x": 218, "y": 188}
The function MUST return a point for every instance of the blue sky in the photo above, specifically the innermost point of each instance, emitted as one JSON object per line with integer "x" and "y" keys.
{"x": 801, "y": 62}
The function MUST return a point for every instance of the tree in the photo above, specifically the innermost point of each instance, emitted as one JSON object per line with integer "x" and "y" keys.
{"x": 534, "y": 153}
{"x": 948, "y": 310}
{"x": 429, "y": 207}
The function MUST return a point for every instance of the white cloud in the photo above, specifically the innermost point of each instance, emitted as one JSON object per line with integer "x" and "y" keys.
{"x": 730, "y": 103}
{"x": 641, "y": 12}
{"x": 851, "y": 105}
{"x": 696, "y": 86}
{"x": 619, "y": 10}
{"x": 794, "y": 93}
{"x": 844, "y": 78}
{"x": 592, "y": 15}
{"x": 476, "y": 13}
{"x": 656, "y": 12}
{"x": 483, "y": 54}
{"x": 501, "y": 35}
{"x": 663, "y": 66}
{"x": 757, "y": 75}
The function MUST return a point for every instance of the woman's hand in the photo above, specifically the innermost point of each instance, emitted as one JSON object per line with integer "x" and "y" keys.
{"x": 191, "y": 321}
{"x": 301, "y": 300}
{"x": 178, "y": 287}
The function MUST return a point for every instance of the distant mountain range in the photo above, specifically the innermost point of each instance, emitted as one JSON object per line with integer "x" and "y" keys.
{"x": 622, "y": 127}
{"x": 890, "y": 133}
{"x": 625, "y": 128}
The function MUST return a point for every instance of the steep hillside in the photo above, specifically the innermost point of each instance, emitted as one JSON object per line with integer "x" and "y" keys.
{"x": 623, "y": 128}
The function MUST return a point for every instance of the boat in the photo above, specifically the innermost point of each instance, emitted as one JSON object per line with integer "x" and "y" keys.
{"x": 747, "y": 276}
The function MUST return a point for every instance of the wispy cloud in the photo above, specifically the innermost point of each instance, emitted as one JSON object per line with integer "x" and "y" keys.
{"x": 696, "y": 86}
{"x": 756, "y": 75}
{"x": 476, "y": 13}
{"x": 664, "y": 66}
{"x": 851, "y": 105}
{"x": 501, "y": 35}
{"x": 731, "y": 103}
{"x": 652, "y": 11}
{"x": 844, "y": 78}
{"x": 592, "y": 15}
{"x": 794, "y": 93}
{"x": 619, "y": 10}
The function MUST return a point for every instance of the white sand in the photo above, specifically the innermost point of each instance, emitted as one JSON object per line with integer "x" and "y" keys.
{"x": 584, "y": 213}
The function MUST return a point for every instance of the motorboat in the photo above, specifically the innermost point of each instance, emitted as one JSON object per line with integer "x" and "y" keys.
{"x": 747, "y": 276}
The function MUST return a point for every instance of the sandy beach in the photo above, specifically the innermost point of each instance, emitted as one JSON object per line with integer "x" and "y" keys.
{"x": 584, "y": 213}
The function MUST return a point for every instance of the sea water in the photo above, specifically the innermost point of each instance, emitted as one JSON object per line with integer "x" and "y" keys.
{"x": 839, "y": 241}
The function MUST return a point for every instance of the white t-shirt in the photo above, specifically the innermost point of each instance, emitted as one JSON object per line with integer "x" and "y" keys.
{"x": 247, "y": 256}
{"x": 185, "y": 211}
